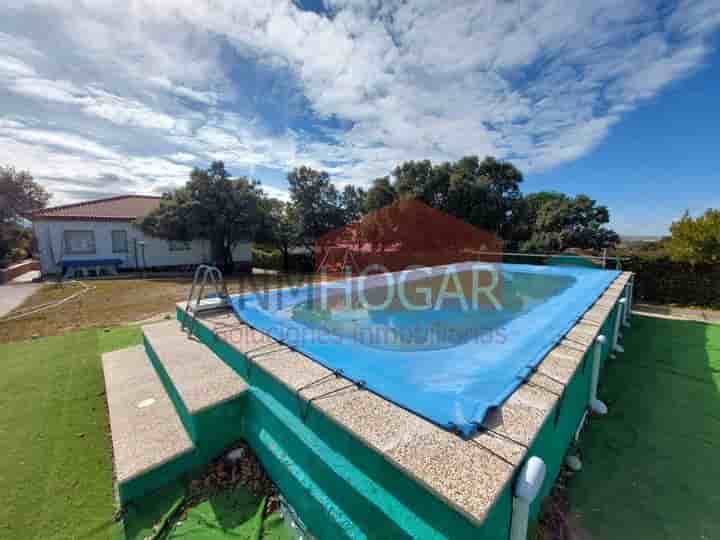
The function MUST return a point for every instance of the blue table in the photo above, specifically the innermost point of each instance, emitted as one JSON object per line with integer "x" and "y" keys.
{"x": 71, "y": 266}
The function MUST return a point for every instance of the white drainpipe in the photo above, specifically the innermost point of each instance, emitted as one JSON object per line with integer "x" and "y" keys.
{"x": 527, "y": 487}
{"x": 629, "y": 297}
{"x": 596, "y": 405}
{"x": 617, "y": 348}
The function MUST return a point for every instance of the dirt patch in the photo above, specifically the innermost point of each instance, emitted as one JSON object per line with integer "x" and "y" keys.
{"x": 225, "y": 473}
{"x": 557, "y": 521}
{"x": 116, "y": 301}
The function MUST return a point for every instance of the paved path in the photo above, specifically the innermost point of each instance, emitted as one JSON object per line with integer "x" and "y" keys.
{"x": 678, "y": 313}
{"x": 13, "y": 295}
{"x": 27, "y": 277}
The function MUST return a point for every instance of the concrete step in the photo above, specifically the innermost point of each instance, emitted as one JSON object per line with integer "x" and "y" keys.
{"x": 207, "y": 393}
{"x": 147, "y": 433}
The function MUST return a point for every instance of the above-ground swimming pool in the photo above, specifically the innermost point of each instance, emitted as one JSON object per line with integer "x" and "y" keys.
{"x": 447, "y": 343}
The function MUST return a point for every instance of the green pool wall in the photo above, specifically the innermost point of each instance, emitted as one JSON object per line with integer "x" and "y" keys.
{"x": 343, "y": 488}
{"x": 399, "y": 503}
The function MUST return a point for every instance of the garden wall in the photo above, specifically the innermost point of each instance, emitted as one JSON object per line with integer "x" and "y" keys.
{"x": 11, "y": 272}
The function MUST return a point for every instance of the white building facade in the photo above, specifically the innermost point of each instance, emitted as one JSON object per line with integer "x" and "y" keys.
{"x": 102, "y": 231}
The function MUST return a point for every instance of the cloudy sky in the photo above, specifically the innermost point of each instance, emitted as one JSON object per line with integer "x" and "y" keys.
{"x": 616, "y": 98}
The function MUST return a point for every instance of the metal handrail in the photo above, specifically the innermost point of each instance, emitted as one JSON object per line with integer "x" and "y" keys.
{"x": 203, "y": 273}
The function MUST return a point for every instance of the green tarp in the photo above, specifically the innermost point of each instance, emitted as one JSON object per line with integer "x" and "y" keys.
{"x": 235, "y": 514}
{"x": 230, "y": 515}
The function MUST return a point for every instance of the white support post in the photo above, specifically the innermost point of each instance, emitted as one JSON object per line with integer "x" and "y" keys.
{"x": 628, "y": 301}
{"x": 616, "y": 347}
{"x": 596, "y": 405}
{"x": 573, "y": 462}
{"x": 527, "y": 487}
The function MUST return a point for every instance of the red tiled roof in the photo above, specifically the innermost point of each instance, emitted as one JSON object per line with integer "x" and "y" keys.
{"x": 120, "y": 208}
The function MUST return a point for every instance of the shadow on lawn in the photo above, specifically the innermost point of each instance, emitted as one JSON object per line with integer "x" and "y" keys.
{"x": 650, "y": 466}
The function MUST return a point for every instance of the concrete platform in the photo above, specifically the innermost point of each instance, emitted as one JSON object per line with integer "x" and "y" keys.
{"x": 146, "y": 430}
{"x": 13, "y": 295}
{"x": 201, "y": 379}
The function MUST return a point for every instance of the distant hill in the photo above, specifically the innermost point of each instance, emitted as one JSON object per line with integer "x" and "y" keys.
{"x": 631, "y": 239}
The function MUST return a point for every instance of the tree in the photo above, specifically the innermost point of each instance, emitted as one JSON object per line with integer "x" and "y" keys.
{"x": 484, "y": 193}
{"x": 557, "y": 222}
{"x": 423, "y": 181}
{"x": 212, "y": 206}
{"x": 381, "y": 194}
{"x": 696, "y": 240}
{"x": 280, "y": 227}
{"x": 317, "y": 204}
{"x": 353, "y": 201}
{"x": 19, "y": 196}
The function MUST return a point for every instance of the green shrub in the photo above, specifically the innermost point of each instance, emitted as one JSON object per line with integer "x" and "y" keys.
{"x": 268, "y": 260}
{"x": 665, "y": 281}
{"x": 18, "y": 254}
{"x": 273, "y": 260}
{"x": 696, "y": 240}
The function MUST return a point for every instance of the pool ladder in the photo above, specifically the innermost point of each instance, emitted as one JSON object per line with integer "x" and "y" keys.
{"x": 204, "y": 275}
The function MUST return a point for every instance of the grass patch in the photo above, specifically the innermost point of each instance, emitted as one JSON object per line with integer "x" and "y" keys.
{"x": 651, "y": 465}
{"x": 56, "y": 464}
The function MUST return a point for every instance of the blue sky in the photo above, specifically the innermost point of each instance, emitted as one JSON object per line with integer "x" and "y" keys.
{"x": 614, "y": 98}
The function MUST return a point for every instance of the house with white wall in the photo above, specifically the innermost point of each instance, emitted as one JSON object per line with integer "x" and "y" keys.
{"x": 106, "y": 233}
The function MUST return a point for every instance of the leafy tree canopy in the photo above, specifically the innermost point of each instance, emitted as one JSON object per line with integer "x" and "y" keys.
{"x": 381, "y": 194}
{"x": 19, "y": 195}
{"x": 696, "y": 240}
{"x": 213, "y": 206}
{"x": 280, "y": 227}
{"x": 316, "y": 202}
{"x": 483, "y": 193}
{"x": 557, "y": 222}
{"x": 354, "y": 202}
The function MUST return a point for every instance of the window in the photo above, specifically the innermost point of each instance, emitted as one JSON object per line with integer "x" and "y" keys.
{"x": 79, "y": 242}
{"x": 178, "y": 245}
{"x": 119, "y": 242}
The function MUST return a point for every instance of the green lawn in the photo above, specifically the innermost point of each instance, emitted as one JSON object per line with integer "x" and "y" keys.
{"x": 55, "y": 460}
{"x": 652, "y": 465}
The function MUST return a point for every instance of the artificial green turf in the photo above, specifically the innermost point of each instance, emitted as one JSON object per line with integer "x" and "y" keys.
{"x": 651, "y": 466}
{"x": 55, "y": 456}
{"x": 225, "y": 515}
{"x": 145, "y": 515}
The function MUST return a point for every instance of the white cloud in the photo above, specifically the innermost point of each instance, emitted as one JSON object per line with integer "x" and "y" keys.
{"x": 48, "y": 90}
{"x": 206, "y": 97}
{"x": 182, "y": 157}
{"x": 258, "y": 83}
{"x": 129, "y": 112}
{"x": 59, "y": 140}
{"x": 10, "y": 66}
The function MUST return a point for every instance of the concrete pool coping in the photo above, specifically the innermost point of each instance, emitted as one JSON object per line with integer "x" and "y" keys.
{"x": 467, "y": 474}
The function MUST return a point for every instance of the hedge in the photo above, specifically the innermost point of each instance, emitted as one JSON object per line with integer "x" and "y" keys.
{"x": 273, "y": 260}
{"x": 663, "y": 281}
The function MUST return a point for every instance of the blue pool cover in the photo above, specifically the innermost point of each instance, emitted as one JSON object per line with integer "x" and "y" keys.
{"x": 456, "y": 364}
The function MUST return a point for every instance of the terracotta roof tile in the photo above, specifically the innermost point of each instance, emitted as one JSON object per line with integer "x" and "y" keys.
{"x": 121, "y": 208}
